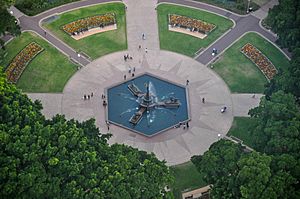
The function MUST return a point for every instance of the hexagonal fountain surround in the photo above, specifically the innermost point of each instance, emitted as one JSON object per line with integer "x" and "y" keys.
{"x": 124, "y": 104}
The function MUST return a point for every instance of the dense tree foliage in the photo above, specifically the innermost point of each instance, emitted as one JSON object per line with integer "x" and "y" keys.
{"x": 6, "y": 3}
{"x": 33, "y": 7}
{"x": 234, "y": 173}
{"x": 58, "y": 158}
{"x": 8, "y": 23}
{"x": 284, "y": 19}
{"x": 278, "y": 125}
{"x": 219, "y": 166}
{"x": 277, "y": 132}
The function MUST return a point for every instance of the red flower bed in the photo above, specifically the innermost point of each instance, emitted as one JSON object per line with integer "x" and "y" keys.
{"x": 89, "y": 23}
{"x": 21, "y": 60}
{"x": 260, "y": 60}
{"x": 192, "y": 24}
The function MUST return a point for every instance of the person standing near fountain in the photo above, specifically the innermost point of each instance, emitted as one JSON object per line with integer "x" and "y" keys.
{"x": 107, "y": 124}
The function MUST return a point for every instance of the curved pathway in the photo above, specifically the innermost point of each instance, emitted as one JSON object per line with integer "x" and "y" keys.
{"x": 177, "y": 145}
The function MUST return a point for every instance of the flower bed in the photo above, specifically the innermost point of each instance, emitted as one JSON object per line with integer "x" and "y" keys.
{"x": 85, "y": 24}
{"x": 260, "y": 60}
{"x": 192, "y": 24}
{"x": 21, "y": 60}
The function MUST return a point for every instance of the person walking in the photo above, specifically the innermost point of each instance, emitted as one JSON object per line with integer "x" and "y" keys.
{"x": 107, "y": 124}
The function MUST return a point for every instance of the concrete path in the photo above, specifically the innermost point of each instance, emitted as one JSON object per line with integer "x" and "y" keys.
{"x": 263, "y": 11}
{"x": 175, "y": 146}
{"x": 242, "y": 103}
{"x": 141, "y": 19}
{"x": 52, "y": 102}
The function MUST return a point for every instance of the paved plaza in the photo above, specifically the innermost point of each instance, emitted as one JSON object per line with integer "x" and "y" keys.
{"x": 177, "y": 145}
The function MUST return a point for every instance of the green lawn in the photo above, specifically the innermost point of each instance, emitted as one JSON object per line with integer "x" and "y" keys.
{"x": 186, "y": 178}
{"x": 186, "y": 44}
{"x": 242, "y": 75}
{"x": 49, "y": 71}
{"x": 241, "y": 128}
{"x": 99, "y": 44}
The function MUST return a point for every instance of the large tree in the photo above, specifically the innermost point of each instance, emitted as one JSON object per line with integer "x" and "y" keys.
{"x": 58, "y": 158}
{"x": 236, "y": 174}
{"x": 219, "y": 167}
{"x": 6, "y": 3}
{"x": 278, "y": 125}
{"x": 8, "y": 23}
{"x": 284, "y": 19}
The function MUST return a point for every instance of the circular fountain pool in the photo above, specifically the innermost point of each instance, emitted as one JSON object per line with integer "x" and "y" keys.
{"x": 147, "y": 104}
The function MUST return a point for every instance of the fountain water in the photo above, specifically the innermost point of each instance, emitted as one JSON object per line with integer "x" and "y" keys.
{"x": 147, "y": 101}
{"x": 147, "y": 104}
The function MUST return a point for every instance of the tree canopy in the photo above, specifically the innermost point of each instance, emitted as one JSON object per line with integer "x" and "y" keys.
{"x": 278, "y": 126}
{"x": 235, "y": 173}
{"x": 61, "y": 158}
{"x": 284, "y": 19}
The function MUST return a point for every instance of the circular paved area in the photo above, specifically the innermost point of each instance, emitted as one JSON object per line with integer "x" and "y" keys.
{"x": 176, "y": 145}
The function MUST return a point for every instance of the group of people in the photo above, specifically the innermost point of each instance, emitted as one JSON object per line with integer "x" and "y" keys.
{"x": 130, "y": 71}
{"x": 127, "y": 57}
{"x": 87, "y": 97}
{"x": 185, "y": 125}
{"x": 103, "y": 97}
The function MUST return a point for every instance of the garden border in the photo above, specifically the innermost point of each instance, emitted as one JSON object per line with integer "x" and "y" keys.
{"x": 26, "y": 64}
{"x": 241, "y": 50}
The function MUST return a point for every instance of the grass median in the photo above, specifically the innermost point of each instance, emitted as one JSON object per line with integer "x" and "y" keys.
{"x": 186, "y": 178}
{"x": 49, "y": 71}
{"x": 186, "y": 44}
{"x": 241, "y": 128}
{"x": 241, "y": 74}
{"x": 95, "y": 45}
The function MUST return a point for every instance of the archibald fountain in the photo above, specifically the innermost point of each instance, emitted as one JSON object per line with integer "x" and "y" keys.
{"x": 147, "y": 104}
